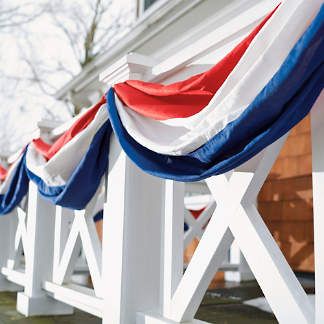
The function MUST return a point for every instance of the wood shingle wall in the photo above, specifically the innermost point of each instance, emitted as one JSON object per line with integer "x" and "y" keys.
{"x": 285, "y": 200}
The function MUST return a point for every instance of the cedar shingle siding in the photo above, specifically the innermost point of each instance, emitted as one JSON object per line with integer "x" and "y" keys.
{"x": 285, "y": 200}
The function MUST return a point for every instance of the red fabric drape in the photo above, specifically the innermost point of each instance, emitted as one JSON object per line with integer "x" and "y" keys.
{"x": 48, "y": 151}
{"x": 3, "y": 173}
{"x": 184, "y": 98}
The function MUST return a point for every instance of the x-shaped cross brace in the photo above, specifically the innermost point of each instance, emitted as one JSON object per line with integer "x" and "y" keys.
{"x": 236, "y": 216}
{"x": 67, "y": 246}
{"x": 196, "y": 226}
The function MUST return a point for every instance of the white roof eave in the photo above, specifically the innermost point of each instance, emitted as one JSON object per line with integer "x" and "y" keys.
{"x": 139, "y": 33}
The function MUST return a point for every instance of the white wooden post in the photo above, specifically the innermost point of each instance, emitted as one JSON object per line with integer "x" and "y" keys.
{"x": 241, "y": 271}
{"x": 172, "y": 244}
{"x": 14, "y": 268}
{"x": 4, "y": 248}
{"x": 39, "y": 258}
{"x": 132, "y": 221}
{"x": 18, "y": 244}
{"x": 131, "y": 240}
{"x": 7, "y": 238}
{"x": 317, "y": 120}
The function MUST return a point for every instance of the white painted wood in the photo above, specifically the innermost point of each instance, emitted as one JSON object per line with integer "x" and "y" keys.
{"x": 16, "y": 238}
{"x": 211, "y": 250}
{"x": 63, "y": 217}
{"x": 133, "y": 63}
{"x": 235, "y": 268}
{"x": 197, "y": 197}
{"x": 149, "y": 35}
{"x": 196, "y": 225}
{"x": 131, "y": 240}
{"x": 73, "y": 230}
{"x": 64, "y": 264}
{"x": 236, "y": 216}
{"x": 263, "y": 254}
{"x": 15, "y": 276}
{"x": 227, "y": 190}
{"x": 287, "y": 298}
{"x": 77, "y": 296}
{"x": 151, "y": 318}
{"x": 317, "y": 120}
{"x": 39, "y": 258}
{"x": 241, "y": 271}
{"x": 92, "y": 249}
{"x": 14, "y": 254}
{"x": 21, "y": 234}
{"x": 68, "y": 245}
{"x": 17, "y": 246}
{"x": 132, "y": 222}
{"x": 6, "y": 243}
{"x": 242, "y": 20}
{"x": 172, "y": 231}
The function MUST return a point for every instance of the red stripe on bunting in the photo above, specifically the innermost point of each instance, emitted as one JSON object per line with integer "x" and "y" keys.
{"x": 3, "y": 173}
{"x": 184, "y": 98}
{"x": 41, "y": 146}
{"x": 48, "y": 151}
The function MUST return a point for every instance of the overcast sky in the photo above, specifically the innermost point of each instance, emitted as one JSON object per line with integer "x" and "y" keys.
{"x": 22, "y": 103}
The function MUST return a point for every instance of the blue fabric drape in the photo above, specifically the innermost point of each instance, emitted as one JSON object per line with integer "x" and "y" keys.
{"x": 85, "y": 179}
{"x": 17, "y": 190}
{"x": 282, "y": 103}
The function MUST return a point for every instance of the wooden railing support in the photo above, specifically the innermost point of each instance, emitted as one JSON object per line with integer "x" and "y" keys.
{"x": 317, "y": 121}
{"x": 7, "y": 238}
{"x": 131, "y": 240}
{"x": 39, "y": 259}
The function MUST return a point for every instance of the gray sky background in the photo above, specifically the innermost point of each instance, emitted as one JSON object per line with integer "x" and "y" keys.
{"x": 22, "y": 102}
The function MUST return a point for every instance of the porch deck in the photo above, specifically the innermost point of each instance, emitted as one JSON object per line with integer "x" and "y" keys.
{"x": 221, "y": 305}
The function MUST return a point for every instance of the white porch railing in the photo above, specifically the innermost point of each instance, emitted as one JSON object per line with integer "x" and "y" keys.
{"x": 137, "y": 271}
{"x": 12, "y": 240}
{"x": 234, "y": 266}
{"x": 26, "y": 255}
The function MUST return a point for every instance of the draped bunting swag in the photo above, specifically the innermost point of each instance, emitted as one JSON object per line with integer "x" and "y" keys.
{"x": 189, "y": 130}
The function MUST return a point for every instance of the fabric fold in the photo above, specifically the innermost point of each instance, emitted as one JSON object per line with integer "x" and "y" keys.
{"x": 282, "y": 103}
{"x": 251, "y": 98}
{"x": 71, "y": 177}
{"x": 15, "y": 186}
{"x": 181, "y": 136}
{"x": 187, "y": 97}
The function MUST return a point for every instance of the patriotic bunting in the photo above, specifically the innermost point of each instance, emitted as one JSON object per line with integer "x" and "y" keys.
{"x": 281, "y": 104}
{"x": 72, "y": 174}
{"x": 185, "y": 98}
{"x": 189, "y": 130}
{"x": 68, "y": 172}
{"x": 14, "y": 186}
{"x": 179, "y": 136}
{"x": 3, "y": 173}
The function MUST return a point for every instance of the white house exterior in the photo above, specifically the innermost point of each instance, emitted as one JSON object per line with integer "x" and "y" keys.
{"x": 167, "y": 31}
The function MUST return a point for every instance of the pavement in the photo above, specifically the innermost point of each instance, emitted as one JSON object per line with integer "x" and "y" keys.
{"x": 223, "y": 305}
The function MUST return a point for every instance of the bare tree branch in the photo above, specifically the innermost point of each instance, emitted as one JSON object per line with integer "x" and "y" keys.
{"x": 15, "y": 16}
{"x": 86, "y": 28}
